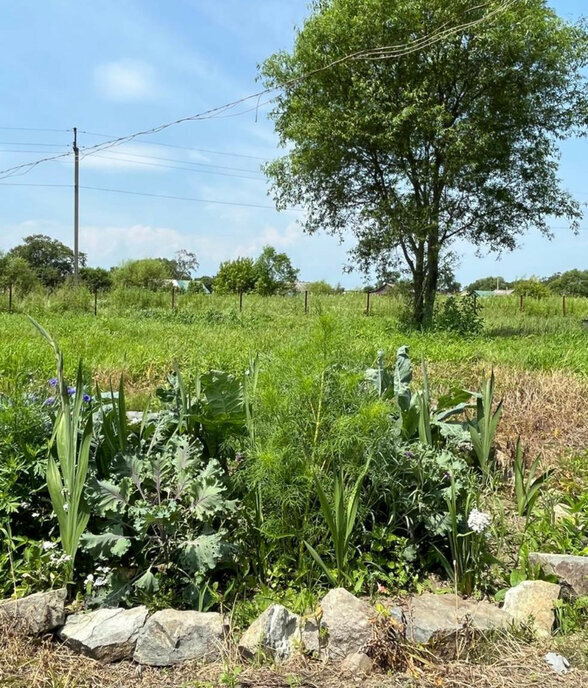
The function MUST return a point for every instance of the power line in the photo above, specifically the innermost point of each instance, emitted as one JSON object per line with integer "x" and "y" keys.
{"x": 383, "y": 52}
{"x": 22, "y": 143}
{"x": 65, "y": 186}
{"x": 149, "y": 195}
{"x": 61, "y": 131}
{"x": 5, "y": 150}
{"x": 188, "y": 148}
{"x": 187, "y": 198}
{"x": 183, "y": 162}
{"x": 182, "y": 198}
{"x": 177, "y": 167}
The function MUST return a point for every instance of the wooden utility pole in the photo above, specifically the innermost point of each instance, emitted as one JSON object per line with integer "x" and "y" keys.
{"x": 367, "y": 304}
{"x": 76, "y": 204}
{"x": 306, "y": 302}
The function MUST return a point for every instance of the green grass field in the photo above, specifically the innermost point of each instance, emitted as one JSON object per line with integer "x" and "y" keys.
{"x": 146, "y": 339}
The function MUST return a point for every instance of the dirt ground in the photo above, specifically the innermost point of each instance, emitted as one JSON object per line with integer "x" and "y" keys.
{"x": 44, "y": 663}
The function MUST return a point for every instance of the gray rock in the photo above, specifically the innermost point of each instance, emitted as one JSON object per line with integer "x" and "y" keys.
{"x": 358, "y": 664}
{"x": 533, "y": 599}
{"x": 346, "y": 621}
{"x": 38, "y": 613}
{"x": 429, "y": 616}
{"x": 571, "y": 571}
{"x": 108, "y": 635}
{"x": 310, "y": 639}
{"x": 274, "y": 634}
{"x": 170, "y": 637}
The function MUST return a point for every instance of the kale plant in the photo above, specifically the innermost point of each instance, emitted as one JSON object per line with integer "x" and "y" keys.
{"x": 162, "y": 517}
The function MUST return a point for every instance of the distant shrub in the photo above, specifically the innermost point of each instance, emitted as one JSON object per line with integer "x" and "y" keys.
{"x": 459, "y": 314}
{"x": 531, "y": 287}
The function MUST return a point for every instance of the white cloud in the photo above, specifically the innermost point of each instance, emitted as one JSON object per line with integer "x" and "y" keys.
{"x": 126, "y": 81}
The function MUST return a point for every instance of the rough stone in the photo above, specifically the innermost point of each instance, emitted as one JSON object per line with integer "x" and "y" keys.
{"x": 170, "y": 637}
{"x": 571, "y": 571}
{"x": 38, "y": 613}
{"x": 310, "y": 640}
{"x": 429, "y": 616}
{"x": 534, "y": 599}
{"x": 357, "y": 663}
{"x": 108, "y": 635}
{"x": 273, "y": 633}
{"x": 347, "y": 623}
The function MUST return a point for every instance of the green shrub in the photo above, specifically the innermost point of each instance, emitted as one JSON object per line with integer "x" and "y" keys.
{"x": 460, "y": 315}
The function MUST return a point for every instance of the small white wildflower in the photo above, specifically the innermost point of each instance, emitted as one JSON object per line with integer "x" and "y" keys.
{"x": 66, "y": 507}
{"x": 100, "y": 581}
{"x": 65, "y": 557}
{"x": 49, "y": 545}
{"x": 478, "y": 521}
{"x": 89, "y": 579}
{"x": 25, "y": 505}
{"x": 35, "y": 514}
{"x": 103, "y": 569}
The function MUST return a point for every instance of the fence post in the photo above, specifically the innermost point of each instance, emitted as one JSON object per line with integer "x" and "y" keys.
{"x": 10, "y": 298}
{"x": 563, "y": 305}
{"x": 521, "y": 303}
{"x": 306, "y": 303}
{"x": 95, "y": 301}
{"x": 240, "y": 302}
{"x": 173, "y": 297}
{"x": 367, "y": 303}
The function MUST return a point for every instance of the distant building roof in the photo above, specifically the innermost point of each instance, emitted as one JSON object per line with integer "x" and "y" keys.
{"x": 384, "y": 289}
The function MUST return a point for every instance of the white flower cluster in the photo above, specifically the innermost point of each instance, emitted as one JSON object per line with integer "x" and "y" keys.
{"x": 59, "y": 559}
{"x": 98, "y": 581}
{"x": 478, "y": 521}
{"x": 47, "y": 545}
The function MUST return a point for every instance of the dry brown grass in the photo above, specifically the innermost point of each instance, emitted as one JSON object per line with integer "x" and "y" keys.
{"x": 42, "y": 663}
{"x": 548, "y": 409}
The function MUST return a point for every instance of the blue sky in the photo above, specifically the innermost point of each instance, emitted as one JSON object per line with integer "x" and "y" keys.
{"x": 112, "y": 68}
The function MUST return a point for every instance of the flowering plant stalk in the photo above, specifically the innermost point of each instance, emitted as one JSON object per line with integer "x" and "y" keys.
{"x": 468, "y": 547}
{"x": 66, "y": 474}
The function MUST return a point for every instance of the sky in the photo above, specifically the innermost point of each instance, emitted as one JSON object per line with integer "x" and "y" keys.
{"x": 111, "y": 68}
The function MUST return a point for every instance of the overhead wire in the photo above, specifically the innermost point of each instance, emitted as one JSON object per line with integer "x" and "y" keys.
{"x": 383, "y": 52}
{"x": 177, "y": 167}
{"x": 175, "y": 145}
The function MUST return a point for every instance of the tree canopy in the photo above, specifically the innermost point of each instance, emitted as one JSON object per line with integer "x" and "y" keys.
{"x": 453, "y": 138}
{"x": 488, "y": 284}
{"x": 272, "y": 273}
{"x": 150, "y": 273}
{"x": 52, "y": 261}
{"x": 275, "y": 274}
{"x": 571, "y": 282}
{"x": 236, "y": 276}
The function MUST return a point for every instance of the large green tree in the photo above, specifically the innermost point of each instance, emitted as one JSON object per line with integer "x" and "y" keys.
{"x": 236, "y": 276}
{"x": 275, "y": 274}
{"x": 572, "y": 282}
{"x": 149, "y": 273}
{"x": 52, "y": 261}
{"x": 410, "y": 149}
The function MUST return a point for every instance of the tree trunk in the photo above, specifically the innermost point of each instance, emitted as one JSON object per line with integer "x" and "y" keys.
{"x": 431, "y": 278}
{"x": 418, "y": 280}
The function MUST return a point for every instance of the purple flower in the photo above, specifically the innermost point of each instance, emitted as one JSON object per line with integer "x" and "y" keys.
{"x": 239, "y": 456}
{"x": 409, "y": 454}
{"x": 49, "y": 402}
{"x": 71, "y": 391}
{"x": 53, "y": 382}
{"x": 87, "y": 398}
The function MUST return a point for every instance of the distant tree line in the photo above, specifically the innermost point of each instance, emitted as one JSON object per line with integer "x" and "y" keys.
{"x": 571, "y": 283}
{"x": 42, "y": 262}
